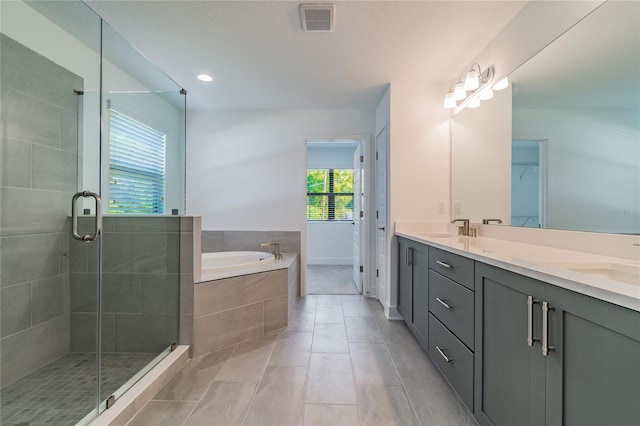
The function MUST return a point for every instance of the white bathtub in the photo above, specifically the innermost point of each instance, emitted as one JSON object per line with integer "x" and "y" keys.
{"x": 228, "y": 260}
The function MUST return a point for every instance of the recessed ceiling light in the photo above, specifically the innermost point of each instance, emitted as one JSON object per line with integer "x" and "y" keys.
{"x": 205, "y": 77}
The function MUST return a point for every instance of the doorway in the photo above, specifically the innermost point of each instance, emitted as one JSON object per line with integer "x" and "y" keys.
{"x": 335, "y": 216}
{"x": 528, "y": 183}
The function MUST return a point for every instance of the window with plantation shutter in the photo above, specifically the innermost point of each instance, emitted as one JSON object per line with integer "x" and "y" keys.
{"x": 136, "y": 166}
{"x": 329, "y": 194}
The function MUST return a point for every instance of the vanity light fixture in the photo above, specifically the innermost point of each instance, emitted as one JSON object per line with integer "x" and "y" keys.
{"x": 502, "y": 84}
{"x": 475, "y": 87}
{"x": 205, "y": 77}
{"x": 459, "y": 92}
{"x": 472, "y": 79}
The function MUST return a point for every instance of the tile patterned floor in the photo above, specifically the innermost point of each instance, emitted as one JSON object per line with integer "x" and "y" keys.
{"x": 330, "y": 279}
{"x": 339, "y": 362}
{"x": 63, "y": 392}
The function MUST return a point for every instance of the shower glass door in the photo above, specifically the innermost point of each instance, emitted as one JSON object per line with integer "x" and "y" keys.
{"x": 49, "y": 91}
{"x": 89, "y": 233}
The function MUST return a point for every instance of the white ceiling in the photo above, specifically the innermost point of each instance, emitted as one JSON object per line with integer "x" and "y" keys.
{"x": 260, "y": 57}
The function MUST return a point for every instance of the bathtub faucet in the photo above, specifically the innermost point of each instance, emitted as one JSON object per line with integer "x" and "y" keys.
{"x": 276, "y": 252}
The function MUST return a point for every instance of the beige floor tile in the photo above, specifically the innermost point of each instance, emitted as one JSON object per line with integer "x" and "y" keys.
{"x": 330, "y": 415}
{"x": 280, "y": 397}
{"x": 307, "y": 303}
{"x": 293, "y": 348}
{"x": 330, "y": 338}
{"x": 301, "y": 321}
{"x": 385, "y": 325}
{"x": 372, "y": 364}
{"x": 167, "y": 413}
{"x": 329, "y": 299}
{"x": 405, "y": 350}
{"x": 331, "y": 314}
{"x": 192, "y": 380}
{"x": 384, "y": 405}
{"x": 356, "y": 308}
{"x": 331, "y": 380}
{"x": 225, "y": 403}
{"x": 362, "y": 329}
{"x": 433, "y": 399}
{"x": 248, "y": 361}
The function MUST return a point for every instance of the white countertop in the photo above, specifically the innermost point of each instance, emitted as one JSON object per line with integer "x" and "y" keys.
{"x": 286, "y": 261}
{"x": 546, "y": 264}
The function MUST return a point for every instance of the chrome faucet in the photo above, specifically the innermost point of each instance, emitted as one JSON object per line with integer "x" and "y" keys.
{"x": 464, "y": 229}
{"x": 276, "y": 251}
{"x": 487, "y": 221}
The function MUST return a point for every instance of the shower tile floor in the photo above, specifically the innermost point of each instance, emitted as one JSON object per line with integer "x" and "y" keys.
{"x": 63, "y": 392}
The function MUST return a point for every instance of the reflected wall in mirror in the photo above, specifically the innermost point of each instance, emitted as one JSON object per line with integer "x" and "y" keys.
{"x": 577, "y": 102}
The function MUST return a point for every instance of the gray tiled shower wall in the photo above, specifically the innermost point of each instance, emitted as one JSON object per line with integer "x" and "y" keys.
{"x": 38, "y": 174}
{"x": 140, "y": 285}
{"x": 214, "y": 241}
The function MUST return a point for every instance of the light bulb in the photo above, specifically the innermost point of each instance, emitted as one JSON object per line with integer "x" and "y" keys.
{"x": 502, "y": 84}
{"x": 486, "y": 94}
{"x": 449, "y": 100}
{"x": 473, "y": 103}
{"x": 472, "y": 81}
{"x": 205, "y": 77}
{"x": 459, "y": 93}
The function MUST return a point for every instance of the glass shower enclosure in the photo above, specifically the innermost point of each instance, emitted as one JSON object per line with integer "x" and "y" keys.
{"x": 92, "y": 140}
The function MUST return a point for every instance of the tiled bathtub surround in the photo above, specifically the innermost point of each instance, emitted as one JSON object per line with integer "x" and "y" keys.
{"x": 38, "y": 172}
{"x": 140, "y": 285}
{"x": 213, "y": 241}
{"x": 230, "y": 310}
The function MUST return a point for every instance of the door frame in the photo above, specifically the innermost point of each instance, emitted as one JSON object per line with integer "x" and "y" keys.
{"x": 367, "y": 205}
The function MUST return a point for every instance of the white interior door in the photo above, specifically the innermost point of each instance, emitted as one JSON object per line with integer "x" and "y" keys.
{"x": 357, "y": 217}
{"x": 381, "y": 215}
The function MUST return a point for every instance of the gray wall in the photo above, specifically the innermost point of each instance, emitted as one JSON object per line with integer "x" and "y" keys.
{"x": 38, "y": 172}
{"x": 140, "y": 285}
{"x": 214, "y": 241}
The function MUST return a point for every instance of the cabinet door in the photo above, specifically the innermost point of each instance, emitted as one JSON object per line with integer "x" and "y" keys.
{"x": 405, "y": 278}
{"x": 509, "y": 374}
{"x": 421, "y": 295}
{"x": 593, "y": 373}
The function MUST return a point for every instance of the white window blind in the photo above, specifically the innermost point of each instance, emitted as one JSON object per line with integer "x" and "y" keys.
{"x": 136, "y": 166}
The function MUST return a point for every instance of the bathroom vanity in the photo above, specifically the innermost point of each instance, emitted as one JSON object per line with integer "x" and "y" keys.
{"x": 525, "y": 334}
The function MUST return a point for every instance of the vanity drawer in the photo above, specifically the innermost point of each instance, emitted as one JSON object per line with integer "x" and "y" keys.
{"x": 453, "y": 266}
{"x": 453, "y": 359}
{"x": 458, "y": 316}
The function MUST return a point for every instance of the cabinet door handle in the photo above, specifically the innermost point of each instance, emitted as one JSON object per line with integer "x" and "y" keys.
{"x": 446, "y": 358}
{"x": 446, "y": 265}
{"x": 443, "y": 303}
{"x": 545, "y": 329}
{"x": 530, "y": 302}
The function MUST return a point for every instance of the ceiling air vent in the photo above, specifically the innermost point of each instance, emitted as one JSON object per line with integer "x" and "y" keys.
{"x": 317, "y": 16}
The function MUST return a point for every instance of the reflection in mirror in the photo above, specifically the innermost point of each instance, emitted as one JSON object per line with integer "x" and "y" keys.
{"x": 578, "y": 102}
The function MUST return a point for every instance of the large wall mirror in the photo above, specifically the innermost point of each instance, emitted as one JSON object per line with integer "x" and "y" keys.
{"x": 560, "y": 148}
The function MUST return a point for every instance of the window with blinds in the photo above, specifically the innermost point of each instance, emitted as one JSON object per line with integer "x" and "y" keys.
{"x": 136, "y": 166}
{"x": 329, "y": 194}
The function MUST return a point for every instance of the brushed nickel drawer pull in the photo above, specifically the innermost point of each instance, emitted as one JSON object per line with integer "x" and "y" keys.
{"x": 446, "y": 358}
{"x": 443, "y": 303}
{"x": 530, "y": 302}
{"x": 446, "y": 265}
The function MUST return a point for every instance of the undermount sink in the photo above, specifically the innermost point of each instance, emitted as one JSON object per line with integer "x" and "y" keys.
{"x": 629, "y": 274}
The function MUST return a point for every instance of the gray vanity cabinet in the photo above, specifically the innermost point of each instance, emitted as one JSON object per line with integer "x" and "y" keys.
{"x": 593, "y": 373}
{"x": 413, "y": 288}
{"x": 509, "y": 374}
{"x": 590, "y": 374}
{"x": 405, "y": 280}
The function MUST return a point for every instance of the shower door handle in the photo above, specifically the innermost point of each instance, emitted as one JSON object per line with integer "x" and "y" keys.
{"x": 74, "y": 217}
